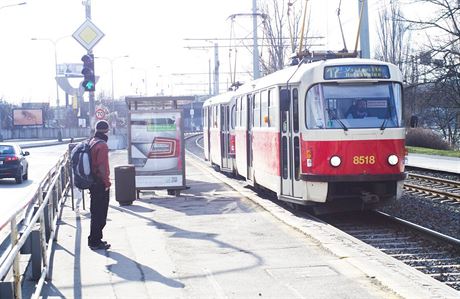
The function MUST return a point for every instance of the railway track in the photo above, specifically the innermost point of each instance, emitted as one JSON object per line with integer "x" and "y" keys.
{"x": 429, "y": 252}
{"x": 446, "y": 190}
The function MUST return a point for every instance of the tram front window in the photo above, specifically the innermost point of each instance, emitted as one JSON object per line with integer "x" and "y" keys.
{"x": 348, "y": 106}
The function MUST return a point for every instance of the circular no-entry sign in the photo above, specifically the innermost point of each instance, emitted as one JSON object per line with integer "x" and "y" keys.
{"x": 100, "y": 114}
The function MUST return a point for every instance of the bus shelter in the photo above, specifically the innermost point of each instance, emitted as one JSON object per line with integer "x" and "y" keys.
{"x": 156, "y": 142}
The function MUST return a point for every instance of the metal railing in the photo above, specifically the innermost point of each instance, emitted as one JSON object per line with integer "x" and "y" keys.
{"x": 34, "y": 223}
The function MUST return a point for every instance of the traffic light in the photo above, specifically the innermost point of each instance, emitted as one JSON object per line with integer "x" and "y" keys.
{"x": 89, "y": 79}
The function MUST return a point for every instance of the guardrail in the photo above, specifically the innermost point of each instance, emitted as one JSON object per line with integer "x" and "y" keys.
{"x": 34, "y": 223}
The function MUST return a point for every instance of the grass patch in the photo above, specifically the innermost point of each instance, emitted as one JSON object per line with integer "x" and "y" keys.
{"x": 430, "y": 151}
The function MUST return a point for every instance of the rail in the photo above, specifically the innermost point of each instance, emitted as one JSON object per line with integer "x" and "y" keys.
{"x": 433, "y": 186}
{"x": 34, "y": 222}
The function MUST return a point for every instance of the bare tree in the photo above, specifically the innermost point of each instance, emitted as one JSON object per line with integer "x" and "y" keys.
{"x": 394, "y": 37}
{"x": 442, "y": 66}
{"x": 281, "y": 29}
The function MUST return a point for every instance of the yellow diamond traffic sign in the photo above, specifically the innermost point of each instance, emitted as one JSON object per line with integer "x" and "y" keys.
{"x": 88, "y": 35}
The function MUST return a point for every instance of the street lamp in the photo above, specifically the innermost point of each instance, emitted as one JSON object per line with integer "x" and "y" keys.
{"x": 16, "y": 4}
{"x": 145, "y": 77}
{"x": 54, "y": 42}
{"x": 112, "y": 60}
{"x": 1, "y": 7}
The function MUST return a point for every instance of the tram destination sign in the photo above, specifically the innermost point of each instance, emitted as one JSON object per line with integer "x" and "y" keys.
{"x": 357, "y": 71}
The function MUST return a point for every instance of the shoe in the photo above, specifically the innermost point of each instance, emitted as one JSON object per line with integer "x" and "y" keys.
{"x": 105, "y": 242}
{"x": 101, "y": 246}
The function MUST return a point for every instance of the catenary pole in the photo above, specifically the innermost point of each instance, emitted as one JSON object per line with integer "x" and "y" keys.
{"x": 364, "y": 29}
{"x": 255, "y": 49}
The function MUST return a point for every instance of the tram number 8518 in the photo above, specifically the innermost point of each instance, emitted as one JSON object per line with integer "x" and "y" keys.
{"x": 361, "y": 160}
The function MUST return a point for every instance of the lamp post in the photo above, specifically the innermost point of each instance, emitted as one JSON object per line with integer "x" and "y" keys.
{"x": 54, "y": 42}
{"x": 111, "y": 60}
{"x": 15, "y": 4}
{"x": 145, "y": 77}
{"x": 1, "y": 7}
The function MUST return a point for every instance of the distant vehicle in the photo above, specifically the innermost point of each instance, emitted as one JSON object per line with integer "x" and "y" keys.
{"x": 13, "y": 163}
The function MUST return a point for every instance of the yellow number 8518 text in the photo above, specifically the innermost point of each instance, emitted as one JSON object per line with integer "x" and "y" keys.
{"x": 361, "y": 160}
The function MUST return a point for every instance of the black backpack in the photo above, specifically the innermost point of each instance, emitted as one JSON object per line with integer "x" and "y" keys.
{"x": 81, "y": 164}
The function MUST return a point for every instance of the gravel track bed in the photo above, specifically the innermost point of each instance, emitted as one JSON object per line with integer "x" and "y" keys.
{"x": 431, "y": 213}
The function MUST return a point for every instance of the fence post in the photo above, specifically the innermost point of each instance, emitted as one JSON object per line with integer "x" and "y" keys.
{"x": 16, "y": 269}
{"x": 43, "y": 229}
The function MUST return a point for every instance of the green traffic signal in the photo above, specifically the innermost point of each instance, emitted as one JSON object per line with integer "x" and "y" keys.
{"x": 88, "y": 85}
{"x": 89, "y": 78}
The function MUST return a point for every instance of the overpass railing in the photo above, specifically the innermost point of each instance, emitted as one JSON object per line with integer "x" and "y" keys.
{"x": 32, "y": 230}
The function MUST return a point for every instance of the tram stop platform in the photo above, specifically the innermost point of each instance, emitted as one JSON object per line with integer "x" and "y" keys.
{"x": 219, "y": 240}
{"x": 433, "y": 162}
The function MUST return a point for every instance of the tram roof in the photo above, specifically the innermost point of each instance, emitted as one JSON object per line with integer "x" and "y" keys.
{"x": 295, "y": 74}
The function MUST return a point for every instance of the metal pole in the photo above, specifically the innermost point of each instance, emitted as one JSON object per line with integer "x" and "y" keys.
{"x": 113, "y": 94}
{"x": 210, "y": 75}
{"x": 145, "y": 81}
{"x": 255, "y": 50}
{"x": 16, "y": 269}
{"x": 216, "y": 69}
{"x": 56, "y": 72}
{"x": 364, "y": 29}
{"x": 92, "y": 108}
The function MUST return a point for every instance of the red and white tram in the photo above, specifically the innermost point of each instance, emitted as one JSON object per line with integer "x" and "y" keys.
{"x": 328, "y": 133}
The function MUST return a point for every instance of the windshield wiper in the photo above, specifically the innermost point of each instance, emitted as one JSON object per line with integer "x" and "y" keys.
{"x": 383, "y": 126}
{"x": 341, "y": 123}
{"x": 333, "y": 117}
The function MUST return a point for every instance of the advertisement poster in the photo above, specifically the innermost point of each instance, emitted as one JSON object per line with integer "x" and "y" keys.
{"x": 27, "y": 117}
{"x": 156, "y": 149}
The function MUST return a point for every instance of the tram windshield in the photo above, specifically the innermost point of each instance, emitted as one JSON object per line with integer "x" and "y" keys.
{"x": 357, "y": 105}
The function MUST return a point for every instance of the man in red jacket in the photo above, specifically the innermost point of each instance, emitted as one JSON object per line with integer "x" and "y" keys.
{"x": 100, "y": 190}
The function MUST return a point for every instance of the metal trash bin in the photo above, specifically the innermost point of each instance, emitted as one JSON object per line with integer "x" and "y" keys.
{"x": 125, "y": 184}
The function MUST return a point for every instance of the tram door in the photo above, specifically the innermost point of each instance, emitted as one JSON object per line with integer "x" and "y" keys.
{"x": 225, "y": 136}
{"x": 291, "y": 185}
{"x": 250, "y": 124}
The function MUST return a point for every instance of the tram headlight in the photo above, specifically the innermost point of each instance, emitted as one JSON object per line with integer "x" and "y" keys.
{"x": 335, "y": 161}
{"x": 393, "y": 160}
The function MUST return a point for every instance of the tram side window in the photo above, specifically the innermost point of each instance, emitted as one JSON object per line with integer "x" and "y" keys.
{"x": 246, "y": 108}
{"x": 272, "y": 108}
{"x": 241, "y": 112}
{"x": 233, "y": 117}
{"x": 237, "y": 113}
{"x": 214, "y": 117}
{"x": 256, "y": 111}
{"x": 264, "y": 102}
{"x": 295, "y": 107}
{"x": 205, "y": 118}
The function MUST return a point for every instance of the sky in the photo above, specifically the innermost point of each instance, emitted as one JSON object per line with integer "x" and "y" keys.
{"x": 154, "y": 34}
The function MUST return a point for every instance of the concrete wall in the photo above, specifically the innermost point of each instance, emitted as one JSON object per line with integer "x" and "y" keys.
{"x": 43, "y": 133}
{"x": 117, "y": 141}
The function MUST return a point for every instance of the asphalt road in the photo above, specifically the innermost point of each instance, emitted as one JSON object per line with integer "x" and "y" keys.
{"x": 41, "y": 160}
